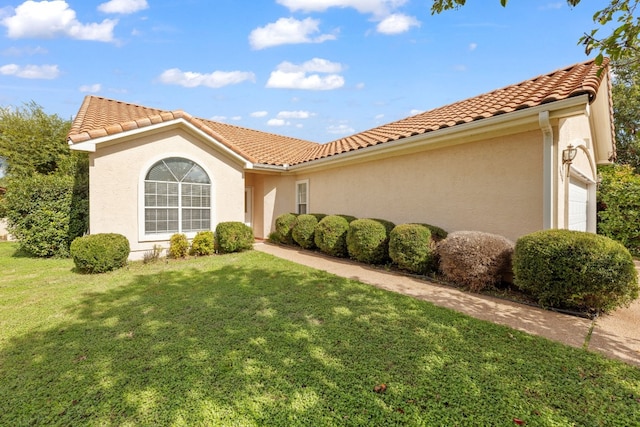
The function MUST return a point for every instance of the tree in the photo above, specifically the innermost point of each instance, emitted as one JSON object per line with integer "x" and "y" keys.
{"x": 620, "y": 45}
{"x": 626, "y": 112}
{"x": 32, "y": 141}
{"x": 46, "y": 203}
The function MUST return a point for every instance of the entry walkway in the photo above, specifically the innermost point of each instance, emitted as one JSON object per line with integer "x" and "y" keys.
{"x": 616, "y": 335}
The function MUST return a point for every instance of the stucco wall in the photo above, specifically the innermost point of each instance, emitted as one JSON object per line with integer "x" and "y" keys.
{"x": 493, "y": 186}
{"x": 117, "y": 171}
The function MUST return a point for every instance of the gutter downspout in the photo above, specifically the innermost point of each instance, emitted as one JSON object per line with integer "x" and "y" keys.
{"x": 548, "y": 205}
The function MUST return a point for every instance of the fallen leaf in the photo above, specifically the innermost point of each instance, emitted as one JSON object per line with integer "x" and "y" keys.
{"x": 380, "y": 388}
{"x": 519, "y": 421}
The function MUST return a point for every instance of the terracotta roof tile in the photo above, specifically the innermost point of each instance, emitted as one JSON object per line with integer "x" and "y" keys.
{"x": 99, "y": 117}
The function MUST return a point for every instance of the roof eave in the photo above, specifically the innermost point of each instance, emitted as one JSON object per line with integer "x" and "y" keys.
{"x": 453, "y": 135}
{"x": 91, "y": 145}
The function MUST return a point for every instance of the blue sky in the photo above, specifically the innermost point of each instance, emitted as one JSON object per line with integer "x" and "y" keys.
{"x": 311, "y": 69}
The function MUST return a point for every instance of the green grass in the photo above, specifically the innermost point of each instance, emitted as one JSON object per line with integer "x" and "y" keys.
{"x": 248, "y": 339}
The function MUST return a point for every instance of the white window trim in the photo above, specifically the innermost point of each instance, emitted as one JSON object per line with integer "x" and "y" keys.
{"x": 142, "y": 237}
{"x": 306, "y": 182}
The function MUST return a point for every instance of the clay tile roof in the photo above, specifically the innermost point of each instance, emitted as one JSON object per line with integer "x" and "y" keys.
{"x": 99, "y": 117}
{"x": 561, "y": 84}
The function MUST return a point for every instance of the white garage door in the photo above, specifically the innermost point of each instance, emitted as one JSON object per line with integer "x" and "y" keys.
{"x": 578, "y": 202}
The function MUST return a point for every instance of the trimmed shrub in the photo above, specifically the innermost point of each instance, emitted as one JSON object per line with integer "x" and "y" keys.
{"x": 284, "y": 228}
{"x": 304, "y": 229}
{"x": 331, "y": 235}
{"x": 474, "y": 259}
{"x": 99, "y": 253}
{"x": 233, "y": 236}
{"x": 368, "y": 240}
{"x": 203, "y": 244}
{"x": 574, "y": 269}
{"x": 410, "y": 247}
{"x": 178, "y": 246}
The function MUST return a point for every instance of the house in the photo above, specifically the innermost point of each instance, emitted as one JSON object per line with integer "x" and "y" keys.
{"x": 512, "y": 161}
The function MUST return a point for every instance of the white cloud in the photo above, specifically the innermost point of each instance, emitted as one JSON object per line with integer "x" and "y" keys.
{"x": 294, "y": 115}
{"x": 342, "y": 129}
{"x": 317, "y": 65}
{"x": 473, "y": 46}
{"x": 236, "y": 118}
{"x": 216, "y": 79}
{"x": 415, "y": 111}
{"x": 397, "y": 23}
{"x": 277, "y": 122}
{"x": 219, "y": 118}
{"x": 287, "y": 31}
{"x": 379, "y": 116}
{"x": 28, "y": 51}
{"x": 50, "y": 19}
{"x": 94, "y": 88}
{"x": 46, "y": 72}
{"x": 374, "y": 7}
{"x": 259, "y": 114}
{"x": 295, "y": 76}
{"x": 123, "y": 7}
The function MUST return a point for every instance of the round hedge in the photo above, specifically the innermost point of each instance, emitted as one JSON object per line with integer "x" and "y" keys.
{"x": 178, "y": 245}
{"x": 475, "y": 259}
{"x": 368, "y": 240}
{"x": 284, "y": 228}
{"x": 203, "y": 244}
{"x": 410, "y": 248}
{"x": 233, "y": 236}
{"x": 99, "y": 253}
{"x": 303, "y": 230}
{"x": 331, "y": 235}
{"x": 574, "y": 269}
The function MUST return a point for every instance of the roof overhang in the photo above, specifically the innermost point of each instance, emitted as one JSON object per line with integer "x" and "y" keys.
{"x": 521, "y": 120}
{"x": 92, "y": 145}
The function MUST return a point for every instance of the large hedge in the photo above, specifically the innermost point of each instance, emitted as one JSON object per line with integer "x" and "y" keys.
{"x": 99, "y": 253}
{"x": 368, "y": 240}
{"x": 619, "y": 206}
{"x": 39, "y": 211}
{"x": 233, "y": 236}
{"x": 574, "y": 269}
{"x": 304, "y": 229}
{"x": 331, "y": 235}
{"x": 410, "y": 247}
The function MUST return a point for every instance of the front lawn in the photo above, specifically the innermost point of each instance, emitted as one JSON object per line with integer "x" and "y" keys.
{"x": 248, "y": 339}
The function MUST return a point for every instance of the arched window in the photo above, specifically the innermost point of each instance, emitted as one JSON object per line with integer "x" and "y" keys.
{"x": 177, "y": 197}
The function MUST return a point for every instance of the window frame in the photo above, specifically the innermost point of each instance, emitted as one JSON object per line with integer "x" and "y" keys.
{"x": 157, "y": 237}
{"x": 297, "y": 195}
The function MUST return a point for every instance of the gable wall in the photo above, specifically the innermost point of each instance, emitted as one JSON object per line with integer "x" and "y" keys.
{"x": 116, "y": 172}
{"x": 493, "y": 185}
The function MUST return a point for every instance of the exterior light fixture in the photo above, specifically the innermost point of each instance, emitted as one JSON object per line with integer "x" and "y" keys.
{"x": 568, "y": 154}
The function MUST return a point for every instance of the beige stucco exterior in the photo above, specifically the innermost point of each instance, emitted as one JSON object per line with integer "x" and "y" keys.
{"x": 117, "y": 172}
{"x": 504, "y": 174}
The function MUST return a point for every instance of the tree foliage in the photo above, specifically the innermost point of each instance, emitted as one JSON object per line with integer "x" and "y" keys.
{"x": 626, "y": 112}
{"x": 622, "y": 43}
{"x": 619, "y": 206}
{"x": 46, "y": 203}
{"x": 32, "y": 141}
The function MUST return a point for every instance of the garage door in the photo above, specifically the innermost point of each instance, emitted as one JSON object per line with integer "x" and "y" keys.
{"x": 578, "y": 202}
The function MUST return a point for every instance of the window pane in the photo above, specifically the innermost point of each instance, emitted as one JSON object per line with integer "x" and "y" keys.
{"x": 179, "y": 167}
{"x": 160, "y": 172}
{"x": 197, "y": 174}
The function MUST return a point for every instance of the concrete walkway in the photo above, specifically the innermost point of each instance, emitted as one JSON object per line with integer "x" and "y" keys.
{"x": 616, "y": 335}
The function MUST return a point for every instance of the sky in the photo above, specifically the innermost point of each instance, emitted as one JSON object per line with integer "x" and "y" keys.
{"x": 312, "y": 69}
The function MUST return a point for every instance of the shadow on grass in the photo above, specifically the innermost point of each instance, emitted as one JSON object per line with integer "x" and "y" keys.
{"x": 284, "y": 345}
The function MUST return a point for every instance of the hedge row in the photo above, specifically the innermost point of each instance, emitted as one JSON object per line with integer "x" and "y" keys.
{"x": 559, "y": 268}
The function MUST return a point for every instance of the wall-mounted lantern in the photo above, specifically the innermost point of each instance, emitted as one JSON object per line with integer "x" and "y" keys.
{"x": 568, "y": 154}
